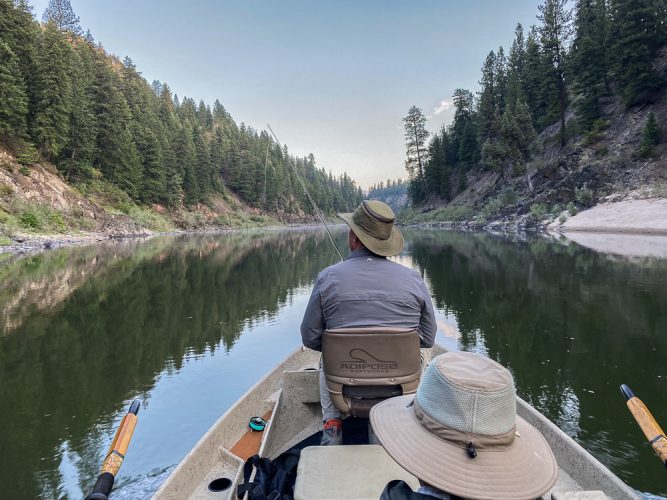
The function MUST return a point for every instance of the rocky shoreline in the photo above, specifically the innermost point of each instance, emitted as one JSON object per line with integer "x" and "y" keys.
{"x": 635, "y": 217}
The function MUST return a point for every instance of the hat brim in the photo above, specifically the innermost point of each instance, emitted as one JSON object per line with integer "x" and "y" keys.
{"x": 391, "y": 246}
{"x": 525, "y": 470}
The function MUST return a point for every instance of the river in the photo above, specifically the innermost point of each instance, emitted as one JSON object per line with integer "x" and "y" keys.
{"x": 188, "y": 323}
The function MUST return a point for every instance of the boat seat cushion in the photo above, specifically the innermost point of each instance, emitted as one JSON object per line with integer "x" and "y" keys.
{"x": 347, "y": 472}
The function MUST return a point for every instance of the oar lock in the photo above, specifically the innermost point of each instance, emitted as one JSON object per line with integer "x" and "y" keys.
{"x": 257, "y": 424}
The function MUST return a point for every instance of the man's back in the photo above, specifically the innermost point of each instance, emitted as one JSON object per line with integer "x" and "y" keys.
{"x": 367, "y": 290}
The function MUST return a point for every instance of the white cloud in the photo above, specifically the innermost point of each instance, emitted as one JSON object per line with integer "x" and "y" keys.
{"x": 443, "y": 106}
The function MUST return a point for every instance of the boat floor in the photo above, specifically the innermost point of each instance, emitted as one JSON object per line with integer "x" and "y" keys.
{"x": 290, "y": 396}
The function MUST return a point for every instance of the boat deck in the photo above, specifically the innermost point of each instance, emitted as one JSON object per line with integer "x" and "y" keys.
{"x": 290, "y": 396}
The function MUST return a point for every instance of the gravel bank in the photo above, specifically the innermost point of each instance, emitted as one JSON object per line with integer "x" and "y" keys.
{"x": 623, "y": 217}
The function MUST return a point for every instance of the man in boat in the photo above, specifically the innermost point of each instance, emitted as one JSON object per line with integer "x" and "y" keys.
{"x": 460, "y": 435}
{"x": 366, "y": 290}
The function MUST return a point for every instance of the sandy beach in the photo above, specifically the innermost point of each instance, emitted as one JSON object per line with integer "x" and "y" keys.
{"x": 623, "y": 217}
{"x": 631, "y": 228}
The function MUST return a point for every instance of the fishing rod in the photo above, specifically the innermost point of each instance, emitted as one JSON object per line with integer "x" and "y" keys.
{"x": 305, "y": 189}
{"x": 652, "y": 431}
{"x": 116, "y": 454}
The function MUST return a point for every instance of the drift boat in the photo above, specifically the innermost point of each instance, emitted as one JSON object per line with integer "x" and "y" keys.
{"x": 288, "y": 400}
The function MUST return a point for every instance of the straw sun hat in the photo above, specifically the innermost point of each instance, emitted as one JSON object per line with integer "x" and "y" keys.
{"x": 373, "y": 223}
{"x": 460, "y": 432}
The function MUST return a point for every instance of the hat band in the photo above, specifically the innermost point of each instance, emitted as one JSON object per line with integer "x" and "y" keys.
{"x": 481, "y": 441}
{"x": 376, "y": 215}
{"x": 371, "y": 226}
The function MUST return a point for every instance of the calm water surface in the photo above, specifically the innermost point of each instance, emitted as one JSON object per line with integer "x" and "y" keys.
{"x": 187, "y": 324}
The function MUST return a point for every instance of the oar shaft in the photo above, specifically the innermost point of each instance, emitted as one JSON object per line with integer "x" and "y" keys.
{"x": 115, "y": 455}
{"x": 119, "y": 445}
{"x": 653, "y": 432}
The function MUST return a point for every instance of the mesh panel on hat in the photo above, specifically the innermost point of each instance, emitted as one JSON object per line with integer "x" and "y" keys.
{"x": 464, "y": 409}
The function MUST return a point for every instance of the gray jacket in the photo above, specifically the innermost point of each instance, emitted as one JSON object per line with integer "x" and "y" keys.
{"x": 367, "y": 290}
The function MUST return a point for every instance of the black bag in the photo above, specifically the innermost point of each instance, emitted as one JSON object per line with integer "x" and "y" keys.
{"x": 274, "y": 479}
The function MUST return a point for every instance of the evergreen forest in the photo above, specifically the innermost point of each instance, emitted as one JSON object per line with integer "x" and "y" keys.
{"x": 65, "y": 100}
{"x": 555, "y": 84}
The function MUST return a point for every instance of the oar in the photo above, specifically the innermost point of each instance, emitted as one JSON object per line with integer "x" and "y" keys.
{"x": 652, "y": 431}
{"x": 116, "y": 454}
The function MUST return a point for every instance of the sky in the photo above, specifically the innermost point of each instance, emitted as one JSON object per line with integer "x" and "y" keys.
{"x": 331, "y": 78}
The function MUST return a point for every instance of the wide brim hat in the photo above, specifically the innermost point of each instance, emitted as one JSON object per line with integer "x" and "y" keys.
{"x": 373, "y": 223}
{"x": 508, "y": 464}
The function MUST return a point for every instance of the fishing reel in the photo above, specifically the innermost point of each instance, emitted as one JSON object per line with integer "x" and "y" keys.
{"x": 257, "y": 424}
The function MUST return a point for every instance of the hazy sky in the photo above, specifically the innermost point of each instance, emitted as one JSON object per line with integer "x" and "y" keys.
{"x": 332, "y": 78}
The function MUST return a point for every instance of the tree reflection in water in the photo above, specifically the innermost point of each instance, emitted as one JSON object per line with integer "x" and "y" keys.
{"x": 86, "y": 328}
{"x": 570, "y": 324}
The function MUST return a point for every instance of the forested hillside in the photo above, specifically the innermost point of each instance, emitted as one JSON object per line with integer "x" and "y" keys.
{"x": 571, "y": 113}
{"x": 66, "y": 101}
{"x": 393, "y": 192}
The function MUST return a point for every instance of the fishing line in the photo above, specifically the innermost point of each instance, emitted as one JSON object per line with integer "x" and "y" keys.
{"x": 305, "y": 190}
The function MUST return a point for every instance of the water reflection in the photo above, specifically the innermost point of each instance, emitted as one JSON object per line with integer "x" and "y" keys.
{"x": 188, "y": 323}
{"x": 85, "y": 329}
{"x": 570, "y": 324}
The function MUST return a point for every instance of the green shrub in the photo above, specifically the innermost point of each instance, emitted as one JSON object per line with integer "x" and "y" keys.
{"x": 650, "y": 137}
{"x": 538, "y": 210}
{"x": 601, "y": 151}
{"x": 5, "y": 241}
{"x": 27, "y": 156}
{"x": 562, "y": 219}
{"x": 584, "y": 195}
{"x": 56, "y": 221}
{"x": 29, "y": 219}
{"x": 556, "y": 209}
{"x": 25, "y": 170}
{"x": 493, "y": 207}
{"x": 595, "y": 133}
{"x": 507, "y": 196}
{"x": 148, "y": 219}
{"x": 571, "y": 208}
{"x": 6, "y": 190}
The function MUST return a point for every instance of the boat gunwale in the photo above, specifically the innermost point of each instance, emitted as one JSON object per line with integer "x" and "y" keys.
{"x": 569, "y": 449}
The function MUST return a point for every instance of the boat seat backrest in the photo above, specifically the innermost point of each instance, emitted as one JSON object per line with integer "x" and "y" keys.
{"x": 363, "y": 366}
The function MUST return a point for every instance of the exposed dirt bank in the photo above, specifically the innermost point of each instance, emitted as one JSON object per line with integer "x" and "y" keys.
{"x": 623, "y": 217}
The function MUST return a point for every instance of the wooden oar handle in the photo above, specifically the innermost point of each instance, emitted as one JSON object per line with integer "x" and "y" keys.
{"x": 116, "y": 454}
{"x": 654, "y": 434}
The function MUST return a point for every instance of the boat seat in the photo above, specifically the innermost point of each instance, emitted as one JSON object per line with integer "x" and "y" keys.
{"x": 363, "y": 366}
{"x": 342, "y": 472}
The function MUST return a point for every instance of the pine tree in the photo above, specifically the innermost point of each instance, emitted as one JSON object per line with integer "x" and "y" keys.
{"x": 513, "y": 144}
{"x": 116, "y": 153}
{"x": 500, "y": 71}
{"x": 650, "y": 137}
{"x": 463, "y": 131}
{"x": 515, "y": 68}
{"x": 203, "y": 168}
{"x": 638, "y": 32}
{"x": 13, "y": 96}
{"x": 589, "y": 59}
{"x": 21, "y": 33}
{"x": 184, "y": 152}
{"x": 555, "y": 34}
{"x": 487, "y": 97}
{"x": 532, "y": 79}
{"x": 415, "y": 138}
{"x": 60, "y": 13}
{"x": 77, "y": 155}
{"x": 53, "y": 89}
